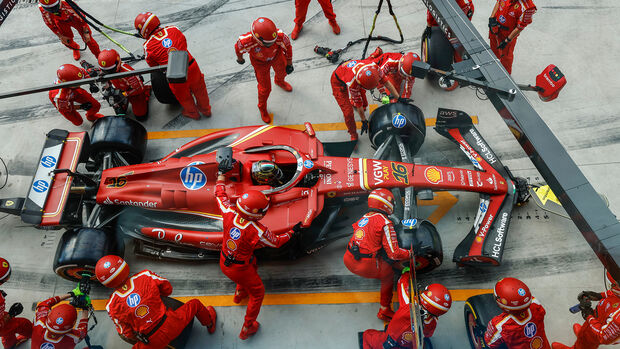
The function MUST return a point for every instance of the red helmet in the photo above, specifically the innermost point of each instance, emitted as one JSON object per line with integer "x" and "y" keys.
{"x": 146, "y": 23}
{"x": 368, "y": 76}
{"x": 109, "y": 61}
{"x": 69, "y": 72}
{"x": 381, "y": 200}
{"x": 50, "y": 5}
{"x": 512, "y": 294}
{"x": 265, "y": 31}
{"x": 61, "y": 319}
{"x": 436, "y": 299}
{"x": 615, "y": 287}
{"x": 253, "y": 205}
{"x": 5, "y": 270}
{"x": 405, "y": 64}
{"x": 112, "y": 271}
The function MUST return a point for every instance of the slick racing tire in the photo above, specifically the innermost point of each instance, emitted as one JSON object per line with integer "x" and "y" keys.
{"x": 439, "y": 53}
{"x": 79, "y": 250}
{"x": 426, "y": 244}
{"x": 406, "y": 120}
{"x": 161, "y": 88}
{"x": 479, "y": 310}
{"x": 118, "y": 134}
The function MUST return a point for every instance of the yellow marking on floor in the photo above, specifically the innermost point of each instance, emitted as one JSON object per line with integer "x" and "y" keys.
{"x": 444, "y": 200}
{"x": 458, "y": 295}
{"x": 329, "y": 126}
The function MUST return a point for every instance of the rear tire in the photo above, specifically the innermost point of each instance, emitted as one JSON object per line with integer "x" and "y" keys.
{"x": 118, "y": 134}
{"x": 161, "y": 89}
{"x": 79, "y": 250}
{"x": 478, "y": 311}
{"x": 439, "y": 53}
{"x": 385, "y": 121}
{"x": 427, "y": 245}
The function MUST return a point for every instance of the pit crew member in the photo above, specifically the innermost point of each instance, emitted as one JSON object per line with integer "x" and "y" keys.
{"x": 159, "y": 42}
{"x": 301, "y": 8}
{"x": 602, "y": 325}
{"x": 435, "y": 301}
{"x": 521, "y": 324}
{"x": 54, "y": 324}
{"x": 69, "y": 100}
{"x": 349, "y": 82}
{"x": 373, "y": 248}
{"x": 13, "y": 330}
{"x": 137, "y": 310}
{"x": 398, "y": 69}
{"x": 137, "y": 93}
{"x": 243, "y": 233}
{"x": 268, "y": 47}
{"x": 507, "y": 21}
{"x": 60, "y": 18}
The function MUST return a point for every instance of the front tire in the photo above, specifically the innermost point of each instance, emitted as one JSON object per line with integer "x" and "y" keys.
{"x": 161, "y": 89}
{"x": 406, "y": 120}
{"x": 118, "y": 134}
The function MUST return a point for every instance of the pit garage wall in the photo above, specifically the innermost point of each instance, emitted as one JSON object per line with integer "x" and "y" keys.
{"x": 587, "y": 210}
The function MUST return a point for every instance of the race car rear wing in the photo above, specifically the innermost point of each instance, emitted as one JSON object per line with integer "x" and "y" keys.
{"x": 484, "y": 244}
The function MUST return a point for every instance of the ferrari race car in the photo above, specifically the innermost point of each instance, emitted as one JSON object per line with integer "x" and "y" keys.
{"x": 96, "y": 186}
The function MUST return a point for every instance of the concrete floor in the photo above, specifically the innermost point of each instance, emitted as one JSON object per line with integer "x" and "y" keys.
{"x": 545, "y": 251}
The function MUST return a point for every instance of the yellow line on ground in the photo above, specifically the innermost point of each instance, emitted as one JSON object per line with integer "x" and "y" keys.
{"x": 459, "y": 295}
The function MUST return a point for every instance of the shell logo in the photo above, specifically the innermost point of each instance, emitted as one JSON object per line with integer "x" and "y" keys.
{"x": 142, "y": 311}
{"x": 478, "y": 239}
{"x": 359, "y": 234}
{"x": 433, "y": 175}
{"x": 408, "y": 336}
{"x": 536, "y": 343}
{"x": 231, "y": 245}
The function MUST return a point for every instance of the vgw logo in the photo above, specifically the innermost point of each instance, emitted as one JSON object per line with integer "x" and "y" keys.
{"x": 48, "y": 161}
{"x": 399, "y": 121}
{"x": 40, "y": 186}
{"x": 193, "y": 178}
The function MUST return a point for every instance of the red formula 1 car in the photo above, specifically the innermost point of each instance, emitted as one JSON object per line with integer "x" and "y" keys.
{"x": 96, "y": 186}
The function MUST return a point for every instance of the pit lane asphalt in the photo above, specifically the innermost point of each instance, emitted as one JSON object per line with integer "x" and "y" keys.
{"x": 546, "y": 251}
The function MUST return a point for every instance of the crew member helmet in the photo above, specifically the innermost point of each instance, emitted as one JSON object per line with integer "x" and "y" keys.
{"x": 146, "y": 23}
{"x": 61, "y": 319}
{"x": 436, "y": 299}
{"x": 52, "y": 6}
{"x": 264, "y": 31}
{"x": 368, "y": 76}
{"x": 381, "y": 200}
{"x": 512, "y": 295}
{"x": 69, "y": 72}
{"x": 109, "y": 61}
{"x": 405, "y": 64}
{"x": 5, "y": 270}
{"x": 253, "y": 205}
{"x": 112, "y": 271}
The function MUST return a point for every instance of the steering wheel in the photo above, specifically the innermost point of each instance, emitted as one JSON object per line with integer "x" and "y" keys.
{"x": 300, "y": 172}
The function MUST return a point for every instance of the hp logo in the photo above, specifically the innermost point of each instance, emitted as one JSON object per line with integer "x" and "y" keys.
{"x": 399, "y": 120}
{"x": 193, "y": 178}
{"x": 133, "y": 300}
{"x": 40, "y": 186}
{"x": 530, "y": 330}
{"x": 48, "y": 161}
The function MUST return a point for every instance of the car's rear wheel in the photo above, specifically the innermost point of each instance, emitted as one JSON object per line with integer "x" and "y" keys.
{"x": 439, "y": 53}
{"x": 426, "y": 242}
{"x": 118, "y": 134}
{"x": 161, "y": 88}
{"x": 79, "y": 250}
{"x": 406, "y": 120}
{"x": 479, "y": 310}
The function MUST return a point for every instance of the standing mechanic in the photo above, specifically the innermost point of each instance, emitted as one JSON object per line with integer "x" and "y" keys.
{"x": 301, "y": 8}
{"x": 373, "y": 248}
{"x": 398, "y": 68}
{"x": 435, "y": 301}
{"x": 137, "y": 93}
{"x": 521, "y": 325}
{"x": 159, "y": 42}
{"x": 54, "y": 324}
{"x": 64, "y": 99}
{"x": 243, "y": 233}
{"x": 508, "y": 19}
{"x": 137, "y": 310}
{"x": 268, "y": 48}
{"x": 60, "y": 18}
{"x": 602, "y": 325}
{"x": 13, "y": 330}
{"x": 349, "y": 84}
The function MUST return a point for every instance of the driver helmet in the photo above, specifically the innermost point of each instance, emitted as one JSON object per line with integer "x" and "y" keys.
{"x": 266, "y": 172}
{"x": 5, "y": 270}
{"x": 436, "y": 299}
{"x": 512, "y": 295}
{"x": 61, "y": 319}
{"x": 52, "y": 6}
{"x": 381, "y": 200}
{"x": 112, "y": 271}
{"x": 615, "y": 287}
{"x": 252, "y": 205}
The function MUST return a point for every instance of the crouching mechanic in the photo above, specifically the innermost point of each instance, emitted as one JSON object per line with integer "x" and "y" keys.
{"x": 54, "y": 325}
{"x": 243, "y": 233}
{"x": 13, "y": 330}
{"x": 137, "y": 93}
{"x": 60, "y": 18}
{"x": 435, "y": 301}
{"x": 137, "y": 310}
{"x": 350, "y": 81}
{"x": 159, "y": 42}
{"x": 373, "y": 248}
{"x": 521, "y": 324}
{"x": 66, "y": 98}
{"x": 398, "y": 68}
{"x": 268, "y": 47}
{"x": 602, "y": 324}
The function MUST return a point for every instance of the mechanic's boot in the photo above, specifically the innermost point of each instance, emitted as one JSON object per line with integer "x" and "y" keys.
{"x": 76, "y": 55}
{"x": 296, "y": 31}
{"x": 376, "y": 53}
{"x": 247, "y": 331}
{"x": 239, "y": 296}
{"x": 264, "y": 114}
{"x": 206, "y": 113}
{"x": 385, "y": 314}
{"x": 335, "y": 27}
{"x": 213, "y": 314}
{"x": 284, "y": 85}
{"x": 556, "y": 345}
{"x": 576, "y": 329}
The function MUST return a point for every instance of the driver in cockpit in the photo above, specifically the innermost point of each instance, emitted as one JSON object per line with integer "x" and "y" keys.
{"x": 265, "y": 172}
